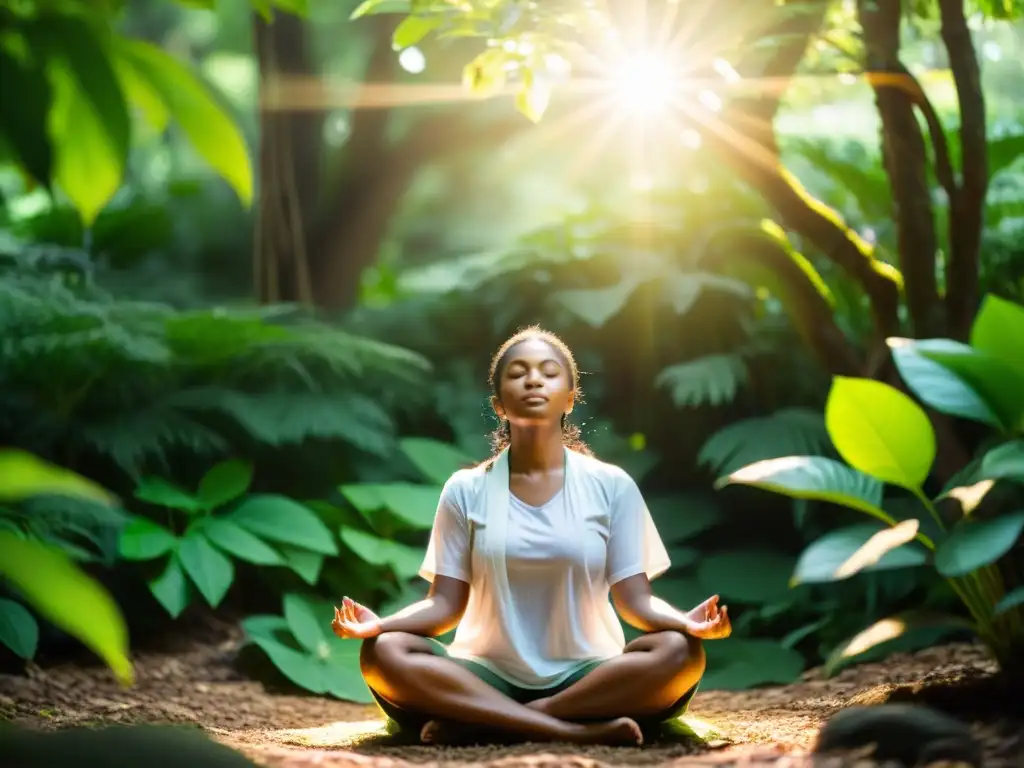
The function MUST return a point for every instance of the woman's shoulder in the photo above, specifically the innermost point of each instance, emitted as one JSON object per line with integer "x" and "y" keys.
{"x": 612, "y": 478}
{"x": 463, "y": 485}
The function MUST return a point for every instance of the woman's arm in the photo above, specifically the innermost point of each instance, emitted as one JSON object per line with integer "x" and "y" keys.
{"x": 637, "y": 604}
{"x": 439, "y": 612}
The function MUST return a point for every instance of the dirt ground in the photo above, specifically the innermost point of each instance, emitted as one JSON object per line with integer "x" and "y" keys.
{"x": 199, "y": 684}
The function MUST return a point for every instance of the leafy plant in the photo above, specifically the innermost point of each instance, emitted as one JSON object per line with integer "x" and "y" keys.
{"x": 886, "y": 439}
{"x": 262, "y": 529}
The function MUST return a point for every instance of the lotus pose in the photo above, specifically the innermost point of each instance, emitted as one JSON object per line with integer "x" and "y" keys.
{"x": 525, "y": 551}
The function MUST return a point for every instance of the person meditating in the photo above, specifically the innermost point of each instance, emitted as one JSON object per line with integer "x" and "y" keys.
{"x": 525, "y": 550}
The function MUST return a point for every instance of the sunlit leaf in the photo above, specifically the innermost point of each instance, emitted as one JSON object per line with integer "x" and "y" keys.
{"x": 834, "y": 556}
{"x": 24, "y": 475}
{"x": 998, "y": 330}
{"x": 412, "y": 29}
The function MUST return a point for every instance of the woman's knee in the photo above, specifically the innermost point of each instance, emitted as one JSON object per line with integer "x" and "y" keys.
{"x": 380, "y": 654}
{"x": 681, "y": 652}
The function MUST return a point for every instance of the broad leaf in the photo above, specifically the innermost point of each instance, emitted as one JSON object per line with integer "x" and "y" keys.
{"x": 437, "y": 460}
{"x": 18, "y": 629}
{"x": 938, "y": 386}
{"x": 404, "y": 560}
{"x": 998, "y": 330}
{"x": 1010, "y": 600}
{"x": 412, "y": 29}
{"x": 786, "y": 432}
{"x": 68, "y": 598}
{"x": 280, "y": 519}
{"x": 224, "y": 482}
{"x": 680, "y": 517}
{"x": 415, "y": 505}
{"x": 824, "y": 560}
{"x": 237, "y": 541}
{"x": 305, "y": 563}
{"x": 712, "y": 380}
{"x": 304, "y": 623}
{"x": 597, "y": 306}
{"x": 885, "y": 635}
{"x": 208, "y": 126}
{"x": 1004, "y": 462}
{"x": 24, "y": 475}
{"x": 880, "y": 431}
{"x": 746, "y": 576}
{"x": 973, "y": 544}
{"x": 210, "y": 569}
{"x": 816, "y": 478}
{"x": 372, "y": 7}
{"x": 142, "y": 539}
{"x": 160, "y": 492}
{"x": 741, "y": 663}
{"x": 171, "y": 588}
{"x": 23, "y": 115}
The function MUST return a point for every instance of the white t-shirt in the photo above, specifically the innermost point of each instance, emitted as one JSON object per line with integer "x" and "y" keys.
{"x": 559, "y": 577}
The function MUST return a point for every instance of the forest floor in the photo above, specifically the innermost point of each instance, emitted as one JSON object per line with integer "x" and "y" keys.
{"x": 199, "y": 683}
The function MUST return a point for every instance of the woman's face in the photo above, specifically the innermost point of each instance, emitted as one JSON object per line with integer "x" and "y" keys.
{"x": 535, "y": 385}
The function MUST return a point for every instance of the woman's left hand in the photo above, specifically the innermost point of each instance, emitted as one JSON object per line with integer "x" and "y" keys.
{"x": 708, "y": 622}
{"x": 354, "y": 621}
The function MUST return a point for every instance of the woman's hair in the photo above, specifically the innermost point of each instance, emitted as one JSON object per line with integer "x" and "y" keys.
{"x": 502, "y": 436}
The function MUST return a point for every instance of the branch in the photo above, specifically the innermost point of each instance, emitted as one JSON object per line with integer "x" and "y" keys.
{"x": 965, "y": 232}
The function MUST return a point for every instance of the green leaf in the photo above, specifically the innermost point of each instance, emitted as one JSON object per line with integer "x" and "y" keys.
{"x": 746, "y": 576}
{"x": 883, "y": 633}
{"x": 1004, "y": 462}
{"x": 224, "y": 482}
{"x": 304, "y": 623}
{"x": 533, "y": 96}
{"x": 415, "y": 505}
{"x": 24, "y": 475}
{"x": 142, "y": 539}
{"x": 373, "y": 7}
{"x": 680, "y": 517}
{"x": 937, "y": 386}
{"x": 823, "y": 561}
{"x": 973, "y": 544}
{"x": 208, "y": 126}
{"x": 237, "y": 541}
{"x": 68, "y": 598}
{"x": 597, "y": 306}
{"x": 412, "y": 29}
{"x": 299, "y": 667}
{"x": 741, "y": 663}
{"x": 1010, "y": 600}
{"x": 23, "y": 115}
{"x": 405, "y": 561}
{"x": 89, "y": 121}
{"x": 210, "y": 569}
{"x": 880, "y": 431}
{"x": 815, "y": 478}
{"x": 709, "y": 380}
{"x": 160, "y": 492}
{"x": 305, "y": 563}
{"x": 786, "y": 432}
{"x": 283, "y": 520}
{"x": 171, "y": 588}
{"x": 436, "y": 460}
{"x": 998, "y": 330}
{"x": 18, "y": 629}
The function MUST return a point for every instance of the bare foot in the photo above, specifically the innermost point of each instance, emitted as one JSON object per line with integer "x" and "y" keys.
{"x": 432, "y": 732}
{"x": 622, "y": 731}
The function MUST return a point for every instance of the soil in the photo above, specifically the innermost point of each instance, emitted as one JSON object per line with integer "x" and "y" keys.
{"x": 199, "y": 683}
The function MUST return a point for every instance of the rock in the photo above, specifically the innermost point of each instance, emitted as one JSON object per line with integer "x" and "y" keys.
{"x": 909, "y": 734}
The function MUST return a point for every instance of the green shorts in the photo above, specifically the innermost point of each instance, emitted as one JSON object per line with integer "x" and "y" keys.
{"x": 406, "y": 721}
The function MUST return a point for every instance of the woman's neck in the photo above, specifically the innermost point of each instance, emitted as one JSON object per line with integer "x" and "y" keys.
{"x": 536, "y": 449}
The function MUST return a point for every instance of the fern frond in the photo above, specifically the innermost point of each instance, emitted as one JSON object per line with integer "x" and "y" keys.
{"x": 787, "y": 432}
{"x": 712, "y": 380}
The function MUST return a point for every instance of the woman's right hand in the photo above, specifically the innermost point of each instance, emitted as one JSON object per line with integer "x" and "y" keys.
{"x": 707, "y": 622}
{"x": 354, "y": 621}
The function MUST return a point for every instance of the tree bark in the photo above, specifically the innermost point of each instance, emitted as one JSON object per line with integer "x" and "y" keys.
{"x": 906, "y": 163}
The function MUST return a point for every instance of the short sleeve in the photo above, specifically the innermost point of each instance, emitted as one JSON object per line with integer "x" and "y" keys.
{"x": 634, "y": 544}
{"x": 448, "y": 551}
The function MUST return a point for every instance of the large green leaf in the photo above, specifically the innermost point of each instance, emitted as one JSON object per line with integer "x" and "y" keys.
{"x": 210, "y": 569}
{"x": 305, "y": 563}
{"x": 740, "y": 663}
{"x": 786, "y": 432}
{"x": 89, "y": 120}
{"x": 597, "y": 306}
{"x": 886, "y": 634}
{"x": 880, "y": 431}
{"x": 746, "y": 576}
{"x": 415, "y": 505}
{"x": 973, "y": 544}
{"x": 412, "y": 29}
{"x": 998, "y": 330}
{"x": 403, "y": 559}
{"x": 68, "y": 598}
{"x": 224, "y": 482}
{"x": 24, "y": 112}
{"x": 142, "y": 539}
{"x": 824, "y": 560}
{"x": 280, "y": 519}
{"x": 680, "y": 517}
{"x": 208, "y": 125}
{"x": 162, "y": 493}
{"x": 171, "y": 588}
{"x": 24, "y": 475}
{"x": 1004, "y": 462}
{"x": 437, "y": 460}
{"x": 938, "y": 386}
{"x": 18, "y": 629}
{"x": 816, "y": 478}
{"x": 304, "y": 622}
{"x": 237, "y": 541}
